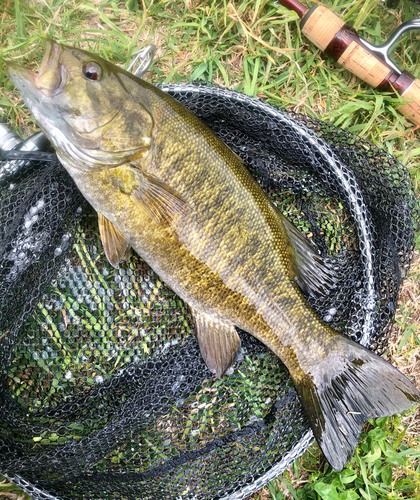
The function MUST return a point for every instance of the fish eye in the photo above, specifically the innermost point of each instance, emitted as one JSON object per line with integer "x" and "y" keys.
{"x": 92, "y": 71}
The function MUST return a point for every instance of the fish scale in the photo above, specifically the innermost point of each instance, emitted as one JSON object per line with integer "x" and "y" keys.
{"x": 259, "y": 284}
{"x": 165, "y": 185}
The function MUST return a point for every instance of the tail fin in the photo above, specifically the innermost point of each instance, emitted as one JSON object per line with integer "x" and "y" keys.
{"x": 342, "y": 393}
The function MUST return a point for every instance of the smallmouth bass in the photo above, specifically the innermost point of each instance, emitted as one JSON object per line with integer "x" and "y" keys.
{"x": 166, "y": 186}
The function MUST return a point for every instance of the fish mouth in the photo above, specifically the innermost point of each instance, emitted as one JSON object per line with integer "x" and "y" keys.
{"x": 50, "y": 79}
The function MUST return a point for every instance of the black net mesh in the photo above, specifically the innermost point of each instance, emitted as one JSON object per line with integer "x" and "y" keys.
{"x": 103, "y": 391}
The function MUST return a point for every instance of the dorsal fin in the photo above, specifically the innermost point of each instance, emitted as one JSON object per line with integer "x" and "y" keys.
{"x": 314, "y": 275}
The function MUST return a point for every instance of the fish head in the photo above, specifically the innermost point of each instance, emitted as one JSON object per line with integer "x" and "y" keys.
{"x": 83, "y": 107}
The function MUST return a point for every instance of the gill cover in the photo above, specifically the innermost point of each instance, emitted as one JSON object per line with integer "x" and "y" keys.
{"x": 83, "y": 105}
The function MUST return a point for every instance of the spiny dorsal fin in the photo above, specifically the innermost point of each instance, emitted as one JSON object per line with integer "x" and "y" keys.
{"x": 115, "y": 244}
{"x": 219, "y": 343}
{"x": 161, "y": 201}
{"x": 314, "y": 275}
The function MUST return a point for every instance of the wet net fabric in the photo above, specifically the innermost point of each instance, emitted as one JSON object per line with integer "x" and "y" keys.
{"x": 103, "y": 391}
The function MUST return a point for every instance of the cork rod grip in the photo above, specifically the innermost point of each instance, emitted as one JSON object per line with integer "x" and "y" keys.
{"x": 359, "y": 61}
{"x": 411, "y": 110}
{"x": 320, "y": 26}
{"x": 329, "y": 33}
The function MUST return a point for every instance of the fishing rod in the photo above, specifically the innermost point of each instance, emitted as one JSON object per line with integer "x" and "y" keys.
{"x": 370, "y": 63}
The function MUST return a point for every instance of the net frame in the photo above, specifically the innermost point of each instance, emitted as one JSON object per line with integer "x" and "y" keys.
{"x": 219, "y": 108}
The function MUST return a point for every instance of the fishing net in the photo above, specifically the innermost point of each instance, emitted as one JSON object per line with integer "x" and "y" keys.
{"x": 103, "y": 390}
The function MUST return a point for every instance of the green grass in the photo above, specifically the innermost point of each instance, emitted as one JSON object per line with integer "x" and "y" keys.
{"x": 256, "y": 47}
{"x": 382, "y": 468}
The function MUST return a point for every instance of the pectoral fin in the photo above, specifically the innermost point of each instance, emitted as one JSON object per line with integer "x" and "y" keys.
{"x": 219, "y": 343}
{"x": 161, "y": 201}
{"x": 115, "y": 244}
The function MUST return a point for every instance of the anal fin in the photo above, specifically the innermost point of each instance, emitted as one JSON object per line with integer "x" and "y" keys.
{"x": 219, "y": 343}
{"x": 116, "y": 245}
